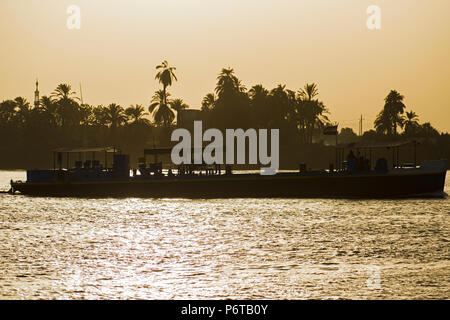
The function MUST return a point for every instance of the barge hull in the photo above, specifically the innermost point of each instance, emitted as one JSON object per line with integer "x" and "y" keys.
{"x": 251, "y": 186}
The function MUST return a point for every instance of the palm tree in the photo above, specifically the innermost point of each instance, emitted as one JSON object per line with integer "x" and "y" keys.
{"x": 99, "y": 116}
{"x": 259, "y": 105}
{"x": 137, "y": 113}
{"x": 22, "y": 104}
{"x": 232, "y": 106}
{"x": 67, "y": 104}
{"x": 228, "y": 83}
{"x": 310, "y": 111}
{"x": 395, "y": 107}
{"x": 411, "y": 123}
{"x": 178, "y": 104}
{"x": 162, "y": 113}
{"x": 257, "y": 92}
{"x": 280, "y": 100}
{"x": 428, "y": 131}
{"x": 86, "y": 115}
{"x": 208, "y": 102}
{"x": 49, "y": 109}
{"x": 63, "y": 91}
{"x": 7, "y": 111}
{"x": 115, "y": 115}
{"x": 320, "y": 112}
{"x": 165, "y": 76}
{"x": 312, "y": 115}
{"x": 309, "y": 92}
{"x": 279, "y": 109}
{"x": 391, "y": 116}
{"x": 383, "y": 123}
{"x": 23, "y": 109}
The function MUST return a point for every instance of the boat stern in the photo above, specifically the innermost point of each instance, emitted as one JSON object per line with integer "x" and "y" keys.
{"x": 435, "y": 165}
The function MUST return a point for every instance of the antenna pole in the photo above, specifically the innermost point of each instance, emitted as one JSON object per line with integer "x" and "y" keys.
{"x": 361, "y": 126}
{"x": 81, "y": 95}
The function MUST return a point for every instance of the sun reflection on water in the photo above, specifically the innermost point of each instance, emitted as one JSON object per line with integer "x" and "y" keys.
{"x": 241, "y": 248}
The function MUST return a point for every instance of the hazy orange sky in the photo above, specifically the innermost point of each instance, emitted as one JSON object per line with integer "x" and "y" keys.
{"x": 271, "y": 42}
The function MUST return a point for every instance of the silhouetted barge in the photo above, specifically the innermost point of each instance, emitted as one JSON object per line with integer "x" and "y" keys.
{"x": 92, "y": 180}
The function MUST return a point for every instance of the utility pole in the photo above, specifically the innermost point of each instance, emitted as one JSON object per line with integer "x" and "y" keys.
{"x": 81, "y": 95}
{"x": 360, "y": 126}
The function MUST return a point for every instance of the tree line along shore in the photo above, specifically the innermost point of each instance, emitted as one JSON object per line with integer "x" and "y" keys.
{"x": 30, "y": 131}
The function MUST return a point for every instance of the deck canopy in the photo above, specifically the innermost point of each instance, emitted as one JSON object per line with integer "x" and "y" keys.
{"x": 88, "y": 149}
{"x": 157, "y": 151}
{"x": 369, "y": 147}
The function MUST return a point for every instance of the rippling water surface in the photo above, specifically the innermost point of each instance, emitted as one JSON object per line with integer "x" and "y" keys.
{"x": 216, "y": 249}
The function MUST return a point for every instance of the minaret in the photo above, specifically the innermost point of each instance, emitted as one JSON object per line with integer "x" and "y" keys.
{"x": 36, "y": 95}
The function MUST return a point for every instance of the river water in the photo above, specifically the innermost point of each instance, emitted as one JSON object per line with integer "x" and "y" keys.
{"x": 223, "y": 249}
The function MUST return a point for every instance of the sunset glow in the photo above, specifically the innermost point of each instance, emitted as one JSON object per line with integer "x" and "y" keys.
{"x": 287, "y": 42}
